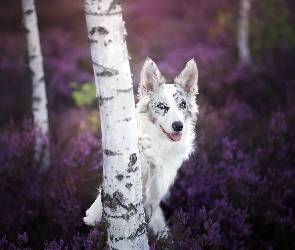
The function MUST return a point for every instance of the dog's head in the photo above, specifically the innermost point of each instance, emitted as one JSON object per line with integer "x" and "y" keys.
{"x": 170, "y": 106}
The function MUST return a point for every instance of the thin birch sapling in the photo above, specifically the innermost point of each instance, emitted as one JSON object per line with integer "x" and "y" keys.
{"x": 39, "y": 106}
{"x": 243, "y": 32}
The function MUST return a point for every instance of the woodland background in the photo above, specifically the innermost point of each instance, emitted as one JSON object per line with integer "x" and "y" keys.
{"x": 236, "y": 192}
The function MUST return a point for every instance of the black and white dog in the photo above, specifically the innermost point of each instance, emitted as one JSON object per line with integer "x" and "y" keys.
{"x": 166, "y": 116}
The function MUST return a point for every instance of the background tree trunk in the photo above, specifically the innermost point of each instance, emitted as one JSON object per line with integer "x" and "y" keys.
{"x": 243, "y": 32}
{"x": 122, "y": 188}
{"x": 40, "y": 114}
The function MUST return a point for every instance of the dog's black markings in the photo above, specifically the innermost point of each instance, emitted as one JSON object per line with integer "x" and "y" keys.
{"x": 160, "y": 108}
{"x": 163, "y": 107}
{"x": 179, "y": 98}
{"x": 178, "y": 92}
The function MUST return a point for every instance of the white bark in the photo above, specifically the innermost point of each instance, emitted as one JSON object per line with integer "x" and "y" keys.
{"x": 243, "y": 32}
{"x": 122, "y": 188}
{"x": 40, "y": 114}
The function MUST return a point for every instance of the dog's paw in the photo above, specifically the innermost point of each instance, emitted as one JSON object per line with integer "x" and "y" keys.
{"x": 146, "y": 146}
{"x": 94, "y": 213}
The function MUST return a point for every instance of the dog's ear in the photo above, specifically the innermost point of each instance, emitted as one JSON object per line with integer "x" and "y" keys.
{"x": 150, "y": 78}
{"x": 188, "y": 78}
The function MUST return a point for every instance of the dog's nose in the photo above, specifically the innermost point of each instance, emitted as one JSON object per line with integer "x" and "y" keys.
{"x": 177, "y": 126}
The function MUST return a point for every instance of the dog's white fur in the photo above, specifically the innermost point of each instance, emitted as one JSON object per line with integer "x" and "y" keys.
{"x": 161, "y": 150}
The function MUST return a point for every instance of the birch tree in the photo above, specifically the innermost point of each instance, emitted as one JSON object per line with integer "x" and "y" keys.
{"x": 122, "y": 188}
{"x": 39, "y": 107}
{"x": 243, "y": 32}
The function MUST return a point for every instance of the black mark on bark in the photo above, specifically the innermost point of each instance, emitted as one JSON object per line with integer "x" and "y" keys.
{"x": 117, "y": 200}
{"x": 128, "y": 185}
{"x": 119, "y": 177}
{"x": 124, "y": 90}
{"x": 42, "y": 78}
{"x": 140, "y": 230}
{"x": 113, "y": 5}
{"x": 36, "y": 99}
{"x": 106, "y": 13}
{"x": 90, "y": 40}
{"x": 100, "y": 30}
{"x": 32, "y": 71}
{"x": 114, "y": 201}
{"x": 29, "y": 12}
{"x": 118, "y": 239}
{"x": 105, "y": 71}
{"x": 132, "y": 161}
{"x": 110, "y": 153}
{"x": 26, "y": 29}
{"x": 101, "y": 99}
{"x": 126, "y": 119}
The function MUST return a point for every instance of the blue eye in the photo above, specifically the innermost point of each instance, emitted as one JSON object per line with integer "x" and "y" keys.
{"x": 161, "y": 106}
{"x": 182, "y": 105}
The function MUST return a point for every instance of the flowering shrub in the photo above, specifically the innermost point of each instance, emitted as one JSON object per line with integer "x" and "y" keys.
{"x": 236, "y": 192}
{"x": 52, "y": 204}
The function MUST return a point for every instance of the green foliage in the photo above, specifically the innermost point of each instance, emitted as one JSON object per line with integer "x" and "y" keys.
{"x": 83, "y": 95}
{"x": 271, "y": 26}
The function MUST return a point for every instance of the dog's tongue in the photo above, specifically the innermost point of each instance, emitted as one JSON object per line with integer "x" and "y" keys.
{"x": 175, "y": 137}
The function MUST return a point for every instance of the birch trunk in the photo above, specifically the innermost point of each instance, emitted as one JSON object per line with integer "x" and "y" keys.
{"x": 243, "y": 32}
{"x": 122, "y": 188}
{"x": 40, "y": 114}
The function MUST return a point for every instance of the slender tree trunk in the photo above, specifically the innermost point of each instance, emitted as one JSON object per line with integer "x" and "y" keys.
{"x": 243, "y": 32}
{"x": 40, "y": 114}
{"x": 122, "y": 188}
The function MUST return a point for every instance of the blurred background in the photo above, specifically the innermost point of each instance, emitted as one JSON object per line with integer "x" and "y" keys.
{"x": 243, "y": 169}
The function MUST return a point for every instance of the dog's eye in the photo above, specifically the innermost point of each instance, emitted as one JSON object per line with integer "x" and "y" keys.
{"x": 161, "y": 106}
{"x": 182, "y": 105}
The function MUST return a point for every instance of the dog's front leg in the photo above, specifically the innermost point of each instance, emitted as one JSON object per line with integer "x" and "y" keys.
{"x": 153, "y": 174}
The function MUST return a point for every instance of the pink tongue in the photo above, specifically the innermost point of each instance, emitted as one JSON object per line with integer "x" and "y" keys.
{"x": 175, "y": 137}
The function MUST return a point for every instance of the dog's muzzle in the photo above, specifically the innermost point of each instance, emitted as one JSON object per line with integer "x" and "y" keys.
{"x": 173, "y": 136}
{"x": 177, "y": 126}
